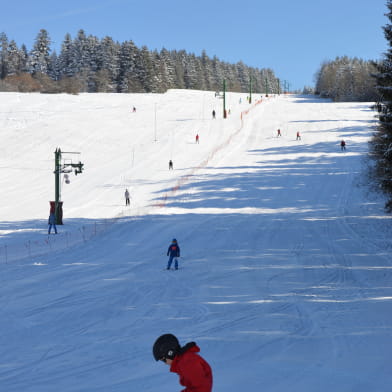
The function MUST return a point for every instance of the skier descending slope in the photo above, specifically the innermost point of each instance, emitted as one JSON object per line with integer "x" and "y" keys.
{"x": 194, "y": 371}
{"x": 174, "y": 252}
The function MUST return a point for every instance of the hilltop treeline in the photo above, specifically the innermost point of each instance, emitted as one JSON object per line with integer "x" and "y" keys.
{"x": 347, "y": 79}
{"x": 89, "y": 64}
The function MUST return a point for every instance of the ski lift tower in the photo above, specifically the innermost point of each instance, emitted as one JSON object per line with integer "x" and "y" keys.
{"x": 266, "y": 87}
{"x": 224, "y": 99}
{"x": 61, "y": 167}
{"x": 250, "y": 89}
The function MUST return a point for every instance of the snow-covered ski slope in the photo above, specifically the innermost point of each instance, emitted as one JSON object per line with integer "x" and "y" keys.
{"x": 285, "y": 276}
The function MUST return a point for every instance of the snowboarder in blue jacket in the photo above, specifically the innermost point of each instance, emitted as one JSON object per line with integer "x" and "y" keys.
{"x": 174, "y": 252}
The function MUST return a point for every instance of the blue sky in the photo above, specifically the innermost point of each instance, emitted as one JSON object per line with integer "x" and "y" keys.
{"x": 292, "y": 37}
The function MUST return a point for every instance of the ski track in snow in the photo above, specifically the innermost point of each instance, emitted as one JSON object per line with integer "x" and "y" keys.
{"x": 285, "y": 275}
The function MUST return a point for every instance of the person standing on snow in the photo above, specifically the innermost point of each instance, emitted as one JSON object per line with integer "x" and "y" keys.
{"x": 213, "y": 114}
{"x": 343, "y": 145}
{"x": 298, "y": 136}
{"x": 194, "y": 371}
{"x": 126, "y": 194}
{"x": 52, "y": 223}
{"x": 173, "y": 252}
{"x": 279, "y": 134}
{"x": 197, "y": 138}
{"x": 170, "y": 165}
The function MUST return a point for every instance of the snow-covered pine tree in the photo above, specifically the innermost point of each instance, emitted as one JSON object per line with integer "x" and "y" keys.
{"x": 127, "y": 65}
{"x": 218, "y": 69}
{"x": 65, "y": 59}
{"x": 14, "y": 60}
{"x": 91, "y": 71}
{"x": 243, "y": 76}
{"x": 179, "y": 59}
{"x": 79, "y": 59}
{"x": 207, "y": 70}
{"x": 145, "y": 70}
{"x": 229, "y": 72}
{"x": 39, "y": 58}
{"x": 367, "y": 91}
{"x": 193, "y": 76}
{"x": 3, "y": 55}
{"x": 23, "y": 59}
{"x": 54, "y": 66}
{"x": 382, "y": 141}
{"x": 160, "y": 80}
{"x": 108, "y": 65}
{"x": 167, "y": 70}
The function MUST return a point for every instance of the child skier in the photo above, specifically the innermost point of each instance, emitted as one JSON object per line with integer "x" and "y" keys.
{"x": 194, "y": 371}
{"x": 174, "y": 252}
{"x": 52, "y": 223}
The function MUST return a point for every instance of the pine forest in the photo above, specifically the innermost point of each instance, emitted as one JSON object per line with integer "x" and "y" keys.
{"x": 89, "y": 64}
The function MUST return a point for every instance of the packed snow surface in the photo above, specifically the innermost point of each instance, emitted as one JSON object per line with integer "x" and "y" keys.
{"x": 285, "y": 274}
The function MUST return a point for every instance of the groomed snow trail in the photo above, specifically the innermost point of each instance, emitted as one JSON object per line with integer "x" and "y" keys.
{"x": 285, "y": 275}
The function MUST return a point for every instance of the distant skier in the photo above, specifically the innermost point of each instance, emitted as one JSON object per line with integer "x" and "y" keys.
{"x": 126, "y": 194}
{"x": 279, "y": 134}
{"x": 343, "y": 145}
{"x": 173, "y": 252}
{"x": 298, "y": 136}
{"x": 213, "y": 114}
{"x": 197, "y": 139}
{"x": 194, "y": 371}
{"x": 134, "y": 110}
{"x": 170, "y": 165}
{"x": 52, "y": 223}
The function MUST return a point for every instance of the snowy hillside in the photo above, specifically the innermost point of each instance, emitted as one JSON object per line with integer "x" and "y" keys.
{"x": 285, "y": 276}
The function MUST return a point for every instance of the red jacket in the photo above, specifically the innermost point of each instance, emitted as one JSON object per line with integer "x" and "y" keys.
{"x": 195, "y": 373}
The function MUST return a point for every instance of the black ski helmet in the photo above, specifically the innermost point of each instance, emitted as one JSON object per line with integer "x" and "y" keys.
{"x": 166, "y": 346}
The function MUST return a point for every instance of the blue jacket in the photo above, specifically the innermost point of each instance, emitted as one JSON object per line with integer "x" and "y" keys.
{"x": 52, "y": 219}
{"x": 174, "y": 250}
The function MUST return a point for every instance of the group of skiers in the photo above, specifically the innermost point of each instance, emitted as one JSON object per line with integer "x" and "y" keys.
{"x": 279, "y": 134}
{"x": 342, "y": 143}
{"x": 171, "y": 166}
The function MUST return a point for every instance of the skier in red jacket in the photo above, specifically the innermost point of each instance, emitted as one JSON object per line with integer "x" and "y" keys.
{"x": 194, "y": 372}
